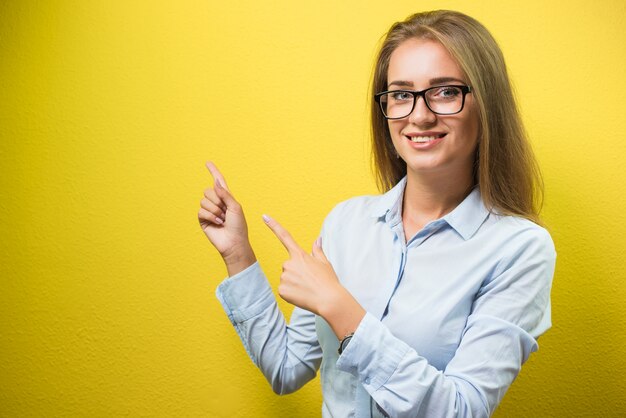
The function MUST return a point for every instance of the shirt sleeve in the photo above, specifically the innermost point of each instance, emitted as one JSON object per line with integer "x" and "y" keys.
{"x": 288, "y": 355}
{"x": 509, "y": 312}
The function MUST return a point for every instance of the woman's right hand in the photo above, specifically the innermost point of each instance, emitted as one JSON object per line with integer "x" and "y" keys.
{"x": 222, "y": 220}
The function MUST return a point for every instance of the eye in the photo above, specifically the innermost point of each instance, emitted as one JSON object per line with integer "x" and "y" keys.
{"x": 400, "y": 96}
{"x": 445, "y": 93}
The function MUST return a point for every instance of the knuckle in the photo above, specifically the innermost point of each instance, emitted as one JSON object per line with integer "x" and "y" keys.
{"x": 289, "y": 266}
{"x": 213, "y": 199}
{"x": 207, "y": 204}
{"x": 204, "y": 216}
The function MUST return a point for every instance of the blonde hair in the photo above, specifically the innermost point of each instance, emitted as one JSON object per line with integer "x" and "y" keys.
{"x": 505, "y": 167}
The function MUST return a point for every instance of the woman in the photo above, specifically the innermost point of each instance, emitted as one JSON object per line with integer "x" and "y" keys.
{"x": 426, "y": 300}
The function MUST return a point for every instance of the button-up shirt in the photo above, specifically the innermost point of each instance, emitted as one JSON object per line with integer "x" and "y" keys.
{"x": 452, "y": 313}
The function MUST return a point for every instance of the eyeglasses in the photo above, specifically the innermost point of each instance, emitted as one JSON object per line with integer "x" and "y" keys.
{"x": 441, "y": 100}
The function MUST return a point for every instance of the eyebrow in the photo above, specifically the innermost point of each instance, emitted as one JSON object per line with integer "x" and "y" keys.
{"x": 432, "y": 81}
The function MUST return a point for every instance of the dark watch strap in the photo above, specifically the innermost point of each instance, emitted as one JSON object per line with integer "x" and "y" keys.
{"x": 344, "y": 343}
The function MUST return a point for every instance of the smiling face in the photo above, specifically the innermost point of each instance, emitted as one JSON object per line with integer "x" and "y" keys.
{"x": 444, "y": 145}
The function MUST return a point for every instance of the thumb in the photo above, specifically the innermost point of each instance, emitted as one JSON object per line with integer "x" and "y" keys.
{"x": 318, "y": 251}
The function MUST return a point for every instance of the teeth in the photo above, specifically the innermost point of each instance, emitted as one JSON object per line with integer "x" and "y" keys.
{"x": 422, "y": 138}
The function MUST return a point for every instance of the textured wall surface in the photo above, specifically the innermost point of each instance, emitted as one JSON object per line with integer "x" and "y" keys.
{"x": 108, "y": 111}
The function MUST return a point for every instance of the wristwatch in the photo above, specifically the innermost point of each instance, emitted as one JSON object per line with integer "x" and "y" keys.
{"x": 344, "y": 343}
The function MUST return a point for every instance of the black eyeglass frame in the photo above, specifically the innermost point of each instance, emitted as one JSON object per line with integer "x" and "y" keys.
{"x": 464, "y": 89}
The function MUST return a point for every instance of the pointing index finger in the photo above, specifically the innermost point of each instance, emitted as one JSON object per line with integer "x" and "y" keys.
{"x": 217, "y": 176}
{"x": 283, "y": 235}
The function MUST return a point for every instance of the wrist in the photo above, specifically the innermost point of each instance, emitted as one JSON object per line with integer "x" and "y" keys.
{"x": 343, "y": 344}
{"x": 239, "y": 259}
{"x": 343, "y": 314}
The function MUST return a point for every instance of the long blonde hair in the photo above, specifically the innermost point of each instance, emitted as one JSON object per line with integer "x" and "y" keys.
{"x": 505, "y": 167}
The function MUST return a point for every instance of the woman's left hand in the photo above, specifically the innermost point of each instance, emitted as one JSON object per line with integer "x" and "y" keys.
{"x": 308, "y": 280}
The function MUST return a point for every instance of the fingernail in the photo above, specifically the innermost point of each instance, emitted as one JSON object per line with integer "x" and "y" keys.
{"x": 318, "y": 242}
{"x": 266, "y": 219}
{"x": 218, "y": 184}
{"x": 218, "y": 221}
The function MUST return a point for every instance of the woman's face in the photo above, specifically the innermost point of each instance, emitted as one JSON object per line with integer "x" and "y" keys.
{"x": 427, "y": 142}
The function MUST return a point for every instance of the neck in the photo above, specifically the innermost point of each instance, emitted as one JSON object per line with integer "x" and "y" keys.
{"x": 429, "y": 197}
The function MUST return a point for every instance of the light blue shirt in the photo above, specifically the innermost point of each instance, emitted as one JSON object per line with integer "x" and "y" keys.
{"x": 452, "y": 314}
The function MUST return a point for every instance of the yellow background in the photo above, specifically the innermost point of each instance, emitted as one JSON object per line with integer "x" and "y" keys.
{"x": 108, "y": 111}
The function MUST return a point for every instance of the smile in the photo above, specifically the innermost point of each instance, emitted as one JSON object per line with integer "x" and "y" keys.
{"x": 424, "y": 139}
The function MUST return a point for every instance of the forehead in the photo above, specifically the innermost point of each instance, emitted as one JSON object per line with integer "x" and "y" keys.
{"x": 420, "y": 60}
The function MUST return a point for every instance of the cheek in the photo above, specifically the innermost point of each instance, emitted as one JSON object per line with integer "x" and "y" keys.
{"x": 394, "y": 129}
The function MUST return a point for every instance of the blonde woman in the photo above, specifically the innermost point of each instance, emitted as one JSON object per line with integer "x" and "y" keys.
{"x": 423, "y": 301}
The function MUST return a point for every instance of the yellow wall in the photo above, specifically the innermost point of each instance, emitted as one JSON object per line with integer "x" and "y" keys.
{"x": 108, "y": 111}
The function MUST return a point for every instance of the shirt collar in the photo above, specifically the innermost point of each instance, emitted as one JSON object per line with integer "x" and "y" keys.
{"x": 466, "y": 218}
{"x": 469, "y": 215}
{"x": 389, "y": 200}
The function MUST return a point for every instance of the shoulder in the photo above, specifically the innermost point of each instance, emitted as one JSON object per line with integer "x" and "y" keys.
{"x": 353, "y": 217}
{"x": 353, "y": 209}
{"x": 350, "y": 221}
{"x": 524, "y": 231}
{"x": 358, "y": 203}
{"x": 520, "y": 240}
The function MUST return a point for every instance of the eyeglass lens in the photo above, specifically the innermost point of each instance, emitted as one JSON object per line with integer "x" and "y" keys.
{"x": 441, "y": 100}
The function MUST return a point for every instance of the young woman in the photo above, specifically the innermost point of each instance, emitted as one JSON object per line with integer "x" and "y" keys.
{"x": 426, "y": 300}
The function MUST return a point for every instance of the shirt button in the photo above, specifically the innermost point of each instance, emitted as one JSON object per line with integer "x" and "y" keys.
{"x": 367, "y": 380}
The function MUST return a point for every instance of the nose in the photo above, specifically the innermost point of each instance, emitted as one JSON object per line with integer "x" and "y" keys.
{"x": 421, "y": 114}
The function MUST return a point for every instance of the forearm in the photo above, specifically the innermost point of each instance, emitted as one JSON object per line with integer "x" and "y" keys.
{"x": 405, "y": 384}
{"x": 287, "y": 355}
